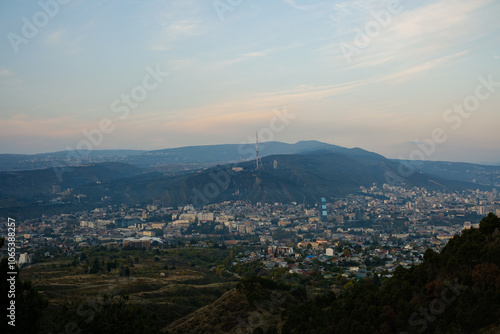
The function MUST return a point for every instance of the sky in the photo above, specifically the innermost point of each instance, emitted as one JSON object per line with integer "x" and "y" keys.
{"x": 406, "y": 79}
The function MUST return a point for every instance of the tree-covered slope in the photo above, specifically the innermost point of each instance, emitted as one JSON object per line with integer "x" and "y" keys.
{"x": 454, "y": 291}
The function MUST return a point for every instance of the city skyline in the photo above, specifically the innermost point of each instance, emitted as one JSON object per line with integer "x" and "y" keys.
{"x": 390, "y": 77}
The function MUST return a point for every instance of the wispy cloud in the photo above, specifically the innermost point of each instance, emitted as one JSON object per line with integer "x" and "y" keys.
{"x": 293, "y": 3}
{"x": 5, "y": 72}
{"x": 414, "y": 71}
{"x": 250, "y": 108}
{"x": 256, "y": 54}
{"x": 55, "y": 37}
{"x": 9, "y": 78}
{"x": 253, "y": 107}
{"x": 173, "y": 32}
{"x": 422, "y": 32}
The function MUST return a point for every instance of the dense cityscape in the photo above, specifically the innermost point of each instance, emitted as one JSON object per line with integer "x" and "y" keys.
{"x": 370, "y": 232}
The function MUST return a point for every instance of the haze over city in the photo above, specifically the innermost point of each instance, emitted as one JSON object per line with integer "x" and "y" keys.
{"x": 378, "y": 75}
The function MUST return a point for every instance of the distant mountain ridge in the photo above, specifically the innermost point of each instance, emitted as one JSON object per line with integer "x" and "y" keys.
{"x": 318, "y": 170}
{"x": 241, "y": 152}
{"x": 16, "y": 162}
{"x": 297, "y": 178}
{"x": 488, "y": 175}
{"x": 188, "y": 155}
{"x": 182, "y": 159}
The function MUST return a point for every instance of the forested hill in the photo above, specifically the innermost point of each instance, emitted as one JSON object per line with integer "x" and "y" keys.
{"x": 454, "y": 291}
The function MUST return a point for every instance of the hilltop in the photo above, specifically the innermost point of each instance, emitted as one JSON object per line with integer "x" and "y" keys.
{"x": 284, "y": 178}
{"x": 296, "y": 178}
{"x": 255, "y": 302}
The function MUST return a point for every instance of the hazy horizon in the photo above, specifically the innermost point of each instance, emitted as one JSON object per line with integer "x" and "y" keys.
{"x": 493, "y": 163}
{"x": 382, "y": 76}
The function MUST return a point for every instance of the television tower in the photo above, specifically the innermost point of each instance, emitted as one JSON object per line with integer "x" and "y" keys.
{"x": 257, "y": 158}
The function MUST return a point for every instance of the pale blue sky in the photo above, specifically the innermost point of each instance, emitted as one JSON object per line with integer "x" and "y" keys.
{"x": 227, "y": 77}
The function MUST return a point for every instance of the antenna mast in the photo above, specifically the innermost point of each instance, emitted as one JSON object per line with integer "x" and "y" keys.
{"x": 257, "y": 159}
{"x": 257, "y": 151}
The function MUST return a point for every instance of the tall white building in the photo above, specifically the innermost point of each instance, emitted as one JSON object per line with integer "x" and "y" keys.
{"x": 24, "y": 258}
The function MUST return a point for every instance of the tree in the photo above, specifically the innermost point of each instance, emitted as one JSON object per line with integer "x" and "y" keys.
{"x": 272, "y": 330}
{"x": 95, "y": 267}
{"x": 489, "y": 224}
{"x": 376, "y": 280}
